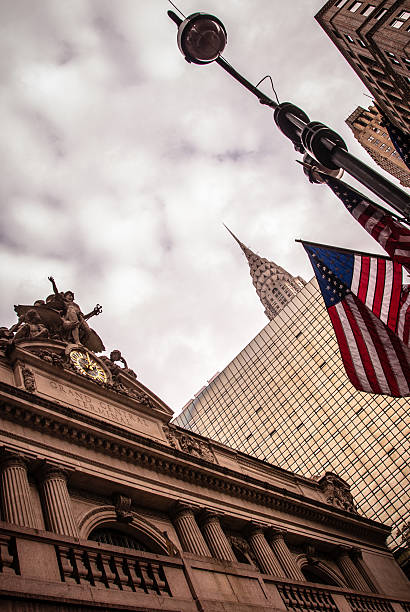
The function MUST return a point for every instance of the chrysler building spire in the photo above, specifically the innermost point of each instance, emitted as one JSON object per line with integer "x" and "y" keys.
{"x": 274, "y": 286}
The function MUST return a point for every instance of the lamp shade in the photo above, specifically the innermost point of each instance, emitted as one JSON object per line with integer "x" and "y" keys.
{"x": 201, "y": 38}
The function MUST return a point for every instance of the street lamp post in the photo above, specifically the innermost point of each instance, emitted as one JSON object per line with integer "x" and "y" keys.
{"x": 202, "y": 38}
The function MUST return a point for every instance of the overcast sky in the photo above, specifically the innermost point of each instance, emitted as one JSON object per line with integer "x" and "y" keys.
{"x": 120, "y": 163}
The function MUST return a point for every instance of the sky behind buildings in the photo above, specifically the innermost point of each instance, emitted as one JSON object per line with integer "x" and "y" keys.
{"x": 121, "y": 162}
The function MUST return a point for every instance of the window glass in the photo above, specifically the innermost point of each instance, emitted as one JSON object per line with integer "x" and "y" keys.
{"x": 355, "y": 6}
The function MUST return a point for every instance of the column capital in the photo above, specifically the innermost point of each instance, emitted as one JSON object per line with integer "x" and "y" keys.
{"x": 253, "y": 528}
{"x": 49, "y": 471}
{"x": 181, "y": 508}
{"x": 209, "y": 516}
{"x": 343, "y": 550}
{"x": 356, "y": 552}
{"x": 9, "y": 459}
{"x": 276, "y": 533}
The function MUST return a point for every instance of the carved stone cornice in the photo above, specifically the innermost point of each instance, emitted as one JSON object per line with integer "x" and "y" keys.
{"x": 188, "y": 443}
{"x": 172, "y": 462}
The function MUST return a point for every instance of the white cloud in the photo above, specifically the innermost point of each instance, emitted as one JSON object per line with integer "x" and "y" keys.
{"x": 121, "y": 161}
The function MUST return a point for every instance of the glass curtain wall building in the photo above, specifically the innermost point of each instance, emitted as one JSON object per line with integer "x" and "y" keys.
{"x": 286, "y": 399}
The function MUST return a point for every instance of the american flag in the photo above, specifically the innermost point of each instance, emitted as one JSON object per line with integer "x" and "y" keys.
{"x": 400, "y": 139}
{"x": 363, "y": 295}
{"x": 393, "y": 236}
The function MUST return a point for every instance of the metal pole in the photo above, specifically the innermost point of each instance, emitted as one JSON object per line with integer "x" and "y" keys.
{"x": 323, "y": 143}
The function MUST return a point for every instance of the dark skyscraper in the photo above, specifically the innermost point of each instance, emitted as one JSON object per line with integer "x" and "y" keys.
{"x": 374, "y": 38}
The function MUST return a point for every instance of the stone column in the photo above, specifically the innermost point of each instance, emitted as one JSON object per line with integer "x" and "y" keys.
{"x": 56, "y": 501}
{"x": 350, "y": 571}
{"x": 15, "y": 492}
{"x": 285, "y": 557}
{"x": 188, "y": 531}
{"x": 360, "y": 563}
{"x": 265, "y": 557}
{"x": 215, "y": 537}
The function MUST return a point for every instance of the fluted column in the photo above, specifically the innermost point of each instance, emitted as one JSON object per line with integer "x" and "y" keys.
{"x": 15, "y": 492}
{"x": 350, "y": 571}
{"x": 285, "y": 557}
{"x": 265, "y": 556}
{"x": 215, "y": 537}
{"x": 56, "y": 501}
{"x": 188, "y": 531}
{"x": 356, "y": 555}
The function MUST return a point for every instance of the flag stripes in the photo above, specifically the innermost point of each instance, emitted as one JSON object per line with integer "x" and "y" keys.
{"x": 377, "y": 283}
{"x": 369, "y": 350}
{"x": 393, "y": 236}
{"x": 370, "y": 313}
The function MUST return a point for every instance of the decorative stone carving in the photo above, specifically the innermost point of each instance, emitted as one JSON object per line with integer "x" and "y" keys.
{"x": 6, "y": 336}
{"x": 28, "y": 379}
{"x": 405, "y": 533}
{"x": 58, "y": 317}
{"x": 337, "y": 492}
{"x": 54, "y": 358}
{"x": 172, "y": 549}
{"x": 122, "y": 505}
{"x": 32, "y": 328}
{"x": 242, "y": 545}
{"x": 189, "y": 444}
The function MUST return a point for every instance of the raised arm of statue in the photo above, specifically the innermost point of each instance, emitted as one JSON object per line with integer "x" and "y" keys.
{"x": 51, "y": 279}
{"x": 96, "y": 311}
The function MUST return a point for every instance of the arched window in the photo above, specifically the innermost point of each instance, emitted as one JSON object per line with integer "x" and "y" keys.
{"x": 116, "y": 537}
{"x": 317, "y": 575}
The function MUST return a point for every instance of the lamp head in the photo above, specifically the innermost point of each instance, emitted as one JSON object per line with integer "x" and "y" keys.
{"x": 201, "y": 38}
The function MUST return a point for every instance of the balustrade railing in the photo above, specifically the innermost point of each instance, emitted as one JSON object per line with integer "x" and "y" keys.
{"x": 109, "y": 570}
{"x": 300, "y": 598}
{"x": 359, "y": 603}
{"x": 114, "y": 571}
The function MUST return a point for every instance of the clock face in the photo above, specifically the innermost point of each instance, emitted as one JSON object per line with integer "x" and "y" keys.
{"x": 87, "y": 365}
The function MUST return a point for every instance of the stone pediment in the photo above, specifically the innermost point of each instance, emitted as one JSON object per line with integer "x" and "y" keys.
{"x": 46, "y": 367}
{"x": 54, "y": 336}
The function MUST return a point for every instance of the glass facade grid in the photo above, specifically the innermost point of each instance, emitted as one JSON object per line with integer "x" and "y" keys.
{"x": 286, "y": 399}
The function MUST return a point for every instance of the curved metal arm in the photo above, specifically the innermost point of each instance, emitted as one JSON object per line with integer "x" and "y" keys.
{"x": 323, "y": 143}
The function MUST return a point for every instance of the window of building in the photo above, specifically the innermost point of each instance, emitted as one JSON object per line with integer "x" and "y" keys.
{"x": 368, "y": 10}
{"x": 396, "y": 23}
{"x": 355, "y": 7}
{"x": 341, "y": 3}
{"x": 404, "y": 15}
{"x": 349, "y": 38}
{"x": 115, "y": 537}
{"x": 381, "y": 14}
{"x": 361, "y": 43}
{"x": 388, "y": 149}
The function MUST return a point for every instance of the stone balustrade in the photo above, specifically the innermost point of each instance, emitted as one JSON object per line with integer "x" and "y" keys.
{"x": 109, "y": 570}
{"x": 81, "y": 572}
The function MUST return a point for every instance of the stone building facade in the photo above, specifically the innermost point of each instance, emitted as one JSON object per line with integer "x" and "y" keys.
{"x": 105, "y": 504}
{"x": 366, "y": 125}
{"x": 374, "y": 38}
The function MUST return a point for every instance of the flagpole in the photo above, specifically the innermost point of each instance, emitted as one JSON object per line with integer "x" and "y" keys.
{"x": 202, "y": 38}
{"x": 342, "y": 250}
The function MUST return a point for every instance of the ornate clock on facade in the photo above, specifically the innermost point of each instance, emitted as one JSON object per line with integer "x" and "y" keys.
{"x": 86, "y": 365}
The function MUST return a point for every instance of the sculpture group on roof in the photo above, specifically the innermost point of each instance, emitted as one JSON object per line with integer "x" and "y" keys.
{"x": 57, "y": 317}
